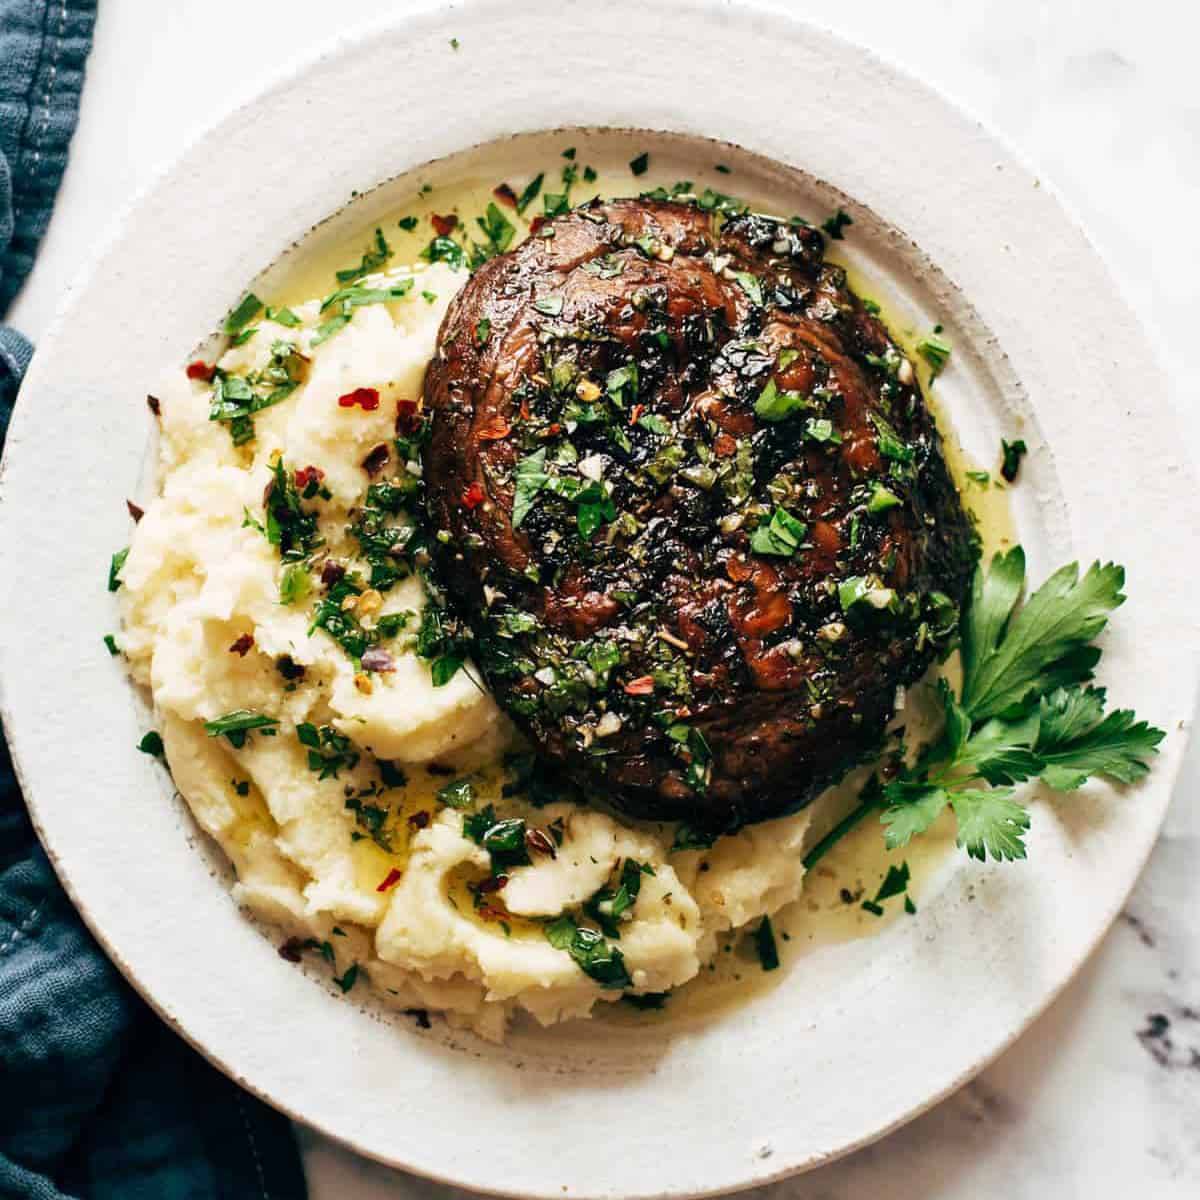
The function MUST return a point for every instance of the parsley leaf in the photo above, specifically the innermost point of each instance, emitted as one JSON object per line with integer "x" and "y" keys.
{"x": 237, "y": 724}
{"x": 774, "y": 404}
{"x": 990, "y": 822}
{"x": 1076, "y": 740}
{"x": 530, "y": 193}
{"x": 764, "y": 942}
{"x": 372, "y": 260}
{"x": 531, "y": 477}
{"x": 935, "y": 350}
{"x": 835, "y": 224}
{"x": 1007, "y": 658}
{"x": 781, "y": 536}
{"x": 114, "y": 569}
{"x": 247, "y": 308}
{"x": 594, "y": 956}
{"x": 1013, "y": 452}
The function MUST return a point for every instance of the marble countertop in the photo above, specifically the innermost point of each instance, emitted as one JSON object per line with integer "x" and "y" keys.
{"x": 1101, "y": 1097}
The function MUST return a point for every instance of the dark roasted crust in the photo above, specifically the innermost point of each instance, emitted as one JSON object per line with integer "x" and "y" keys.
{"x": 741, "y": 640}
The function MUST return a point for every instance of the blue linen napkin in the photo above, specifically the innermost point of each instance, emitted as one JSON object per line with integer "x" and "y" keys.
{"x": 98, "y": 1099}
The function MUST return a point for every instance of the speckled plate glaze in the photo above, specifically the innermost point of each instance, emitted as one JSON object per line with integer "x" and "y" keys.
{"x": 862, "y": 1035}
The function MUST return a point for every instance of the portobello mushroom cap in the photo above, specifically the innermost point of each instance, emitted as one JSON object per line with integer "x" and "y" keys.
{"x": 692, "y": 505}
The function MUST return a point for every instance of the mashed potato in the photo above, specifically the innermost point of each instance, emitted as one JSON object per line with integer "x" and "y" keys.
{"x": 347, "y": 783}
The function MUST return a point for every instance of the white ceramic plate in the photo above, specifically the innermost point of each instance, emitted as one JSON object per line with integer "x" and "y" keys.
{"x": 862, "y": 1035}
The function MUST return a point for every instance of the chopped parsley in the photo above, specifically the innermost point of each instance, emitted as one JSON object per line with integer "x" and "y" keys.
{"x": 114, "y": 569}
{"x": 751, "y": 285}
{"x": 639, "y": 165}
{"x": 687, "y": 837}
{"x": 289, "y": 525}
{"x": 594, "y": 956}
{"x": 152, "y": 744}
{"x": 245, "y": 311}
{"x": 497, "y": 229}
{"x": 328, "y": 751}
{"x": 458, "y": 793}
{"x": 895, "y": 883}
{"x": 781, "y": 536}
{"x": 935, "y": 350}
{"x": 611, "y": 903}
{"x": 529, "y": 193}
{"x": 764, "y": 942}
{"x": 503, "y": 839}
{"x": 111, "y": 643}
{"x": 1012, "y": 453}
{"x": 237, "y": 398}
{"x": 835, "y": 225}
{"x": 774, "y": 404}
{"x": 295, "y": 584}
{"x": 234, "y": 726}
{"x": 372, "y": 260}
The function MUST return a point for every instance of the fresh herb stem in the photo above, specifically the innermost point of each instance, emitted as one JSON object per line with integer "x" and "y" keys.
{"x": 872, "y": 802}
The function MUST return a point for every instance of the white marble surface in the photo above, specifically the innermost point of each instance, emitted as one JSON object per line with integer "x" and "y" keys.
{"x": 1101, "y": 1098}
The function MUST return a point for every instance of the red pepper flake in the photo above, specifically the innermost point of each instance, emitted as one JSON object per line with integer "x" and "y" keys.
{"x": 738, "y": 569}
{"x": 366, "y": 398}
{"x": 443, "y": 225}
{"x": 505, "y": 195}
{"x": 536, "y": 224}
{"x": 493, "y": 883}
{"x": 390, "y": 880}
{"x": 419, "y": 820}
{"x": 201, "y": 370}
{"x": 524, "y": 410}
{"x": 642, "y": 686}
{"x": 135, "y": 511}
{"x": 331, "y": 572}
{"x": 407, "y": 417}
{"x": 724, "y": 446}
{"x": 376, "y": 460}
{"x": 292, "y": 950}
{"x": 307, "y": 475}
{"x": 493, "y": 429}
{"x": 155, "y": 405}
{"x": 540, "y": 842}
{"x": 554, "y": 430}
{"x": 242, "y": 646}
{"x": 636, "y": 412}
{"x": 473, "y": 497}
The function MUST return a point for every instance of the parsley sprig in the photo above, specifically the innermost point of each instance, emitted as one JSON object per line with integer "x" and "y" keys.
{"x": 1025, "y": 711}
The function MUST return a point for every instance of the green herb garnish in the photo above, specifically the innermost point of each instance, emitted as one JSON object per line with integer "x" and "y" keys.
{"x": 781, "y": 536}
{"x": 764, "y": 942}
{"x": 639, "y": 165}
{"x": 458, "y": 793}
{"x": 1013, "y": 452}
{"x": 152, "y": 744}
{"x": 237, "y": 724}
{"x": 935, "y": 350}
{"x": 530, "y": 193}
{"x": 328, "y": 750}
{"x": 835, "y": 224}
{"x": 594, "y": 956}
{"x": 372, "y": 260}
{"x": 114, "y": 569}
{"x": 1023, "y": 712}
{"x": 247, "y": 308}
